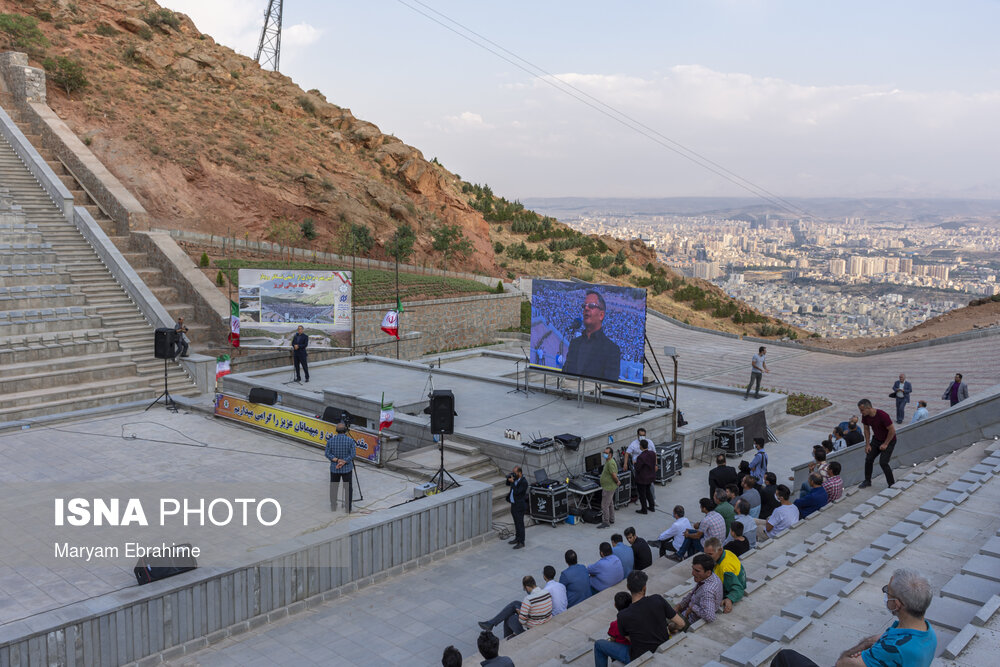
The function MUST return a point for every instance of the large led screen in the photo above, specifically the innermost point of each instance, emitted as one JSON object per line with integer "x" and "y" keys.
{"x": 594, "y": 331}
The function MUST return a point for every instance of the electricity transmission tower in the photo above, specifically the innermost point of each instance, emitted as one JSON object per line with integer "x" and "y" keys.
{"x": 270, "y": 36}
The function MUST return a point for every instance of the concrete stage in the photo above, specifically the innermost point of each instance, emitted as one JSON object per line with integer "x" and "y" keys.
{"x": 482, "y": 381}
{"x": 245, "y": 572}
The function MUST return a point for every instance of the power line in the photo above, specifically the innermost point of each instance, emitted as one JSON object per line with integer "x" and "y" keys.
{"x": 604, "y": 108}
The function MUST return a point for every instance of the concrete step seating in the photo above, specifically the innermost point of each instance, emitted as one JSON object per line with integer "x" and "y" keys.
{"x": 934, "y": 540}
{"x": 70, "y": 336}
{"x": 791, "y": 580}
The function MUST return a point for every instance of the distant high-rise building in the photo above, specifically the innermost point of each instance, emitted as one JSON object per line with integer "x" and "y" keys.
{"x": 856, "y": 265}
{"x": 892, "y": 264}
{"x": 707, "y": 270}
{"x": 837, "y": 267}
{"x": 905, "y": 265}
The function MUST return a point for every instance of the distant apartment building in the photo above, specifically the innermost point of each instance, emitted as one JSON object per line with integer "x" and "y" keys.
{"x": 837, "y": 267}
{"x": 905, "y": 265}
{"x": 707, "y": 270}
{"x": 856, "y": 265}
{"x": 892, "y": 264}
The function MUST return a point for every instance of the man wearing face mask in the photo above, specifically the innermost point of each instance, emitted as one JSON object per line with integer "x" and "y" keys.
{"x": 909, "y": 642}
{"x": 609, "y": 484}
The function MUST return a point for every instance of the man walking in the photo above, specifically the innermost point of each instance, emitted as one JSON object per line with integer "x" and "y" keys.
{"x": 340, "y": 449}
{"x": 609, "y": 484}
{"x": 880, "y": 440}
{"x": 901, "y": 389}
{"x": 300, "y": 341}
{"x": 518, "y": 499}
{"x": 182, "y": 340}
{"x": 757, "y": 369}
{"x": 957, "y": 391}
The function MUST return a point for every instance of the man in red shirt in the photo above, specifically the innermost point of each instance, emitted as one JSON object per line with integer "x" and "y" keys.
{"x": 880, "y": 439}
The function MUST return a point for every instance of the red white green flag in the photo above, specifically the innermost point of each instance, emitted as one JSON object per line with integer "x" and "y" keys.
{"x": 390, "y": 323}
{"x": 386, "y": 414}
{"x": 222, "y": 366}
{"x": 234, "y": 324}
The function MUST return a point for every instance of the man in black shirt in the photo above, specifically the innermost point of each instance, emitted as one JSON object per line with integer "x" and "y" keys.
{"x": 593, "y": 354}
{"x": 721, "y": 475}
{"x": 300, "y": 341}
{"x": 768, "y": 500}
{"x": 644, "y": 623}
{"x": 642, "y": 554}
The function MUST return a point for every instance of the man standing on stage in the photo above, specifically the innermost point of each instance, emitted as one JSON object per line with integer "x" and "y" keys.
{"x": 518, "y": 499}
{"x": 880, "y": 440}
{"x": 609, "y": 485}
{"x": 300, "y": 341}
{"x": 340, "y": 449}
{"x": 757, "y": 369}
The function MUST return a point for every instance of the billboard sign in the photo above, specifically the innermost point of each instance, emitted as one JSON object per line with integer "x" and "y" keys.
{"x": 275, "y": 302}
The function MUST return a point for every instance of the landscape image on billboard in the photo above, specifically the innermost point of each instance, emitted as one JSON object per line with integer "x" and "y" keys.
{"x": 275, "y": 302}
{"x": 593, "y": 331}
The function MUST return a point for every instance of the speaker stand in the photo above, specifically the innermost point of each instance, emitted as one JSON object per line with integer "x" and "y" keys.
{"x": 168, "y": 399}
{"x": 439, "y": 477}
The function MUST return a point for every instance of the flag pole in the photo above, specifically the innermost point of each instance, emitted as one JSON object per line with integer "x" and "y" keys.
{"x": 354, "y": 282}
{"x": 397, "y": 304}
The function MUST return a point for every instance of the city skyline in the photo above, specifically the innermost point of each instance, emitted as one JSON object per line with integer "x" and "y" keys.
{"x": 848, "y": 100}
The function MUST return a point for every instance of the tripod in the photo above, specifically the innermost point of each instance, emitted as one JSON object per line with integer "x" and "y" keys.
{"x": 517, "y": 376}
{"x": 294, "y": 380}
{"x": 439, "y": 477}
{"x": 168, "y": 400}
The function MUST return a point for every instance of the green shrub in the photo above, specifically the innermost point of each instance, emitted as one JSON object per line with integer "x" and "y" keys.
{"x": 499, "y": 289}
{"x": 22, "y": 32}
{"x": 358, "y": 240}
{"x": 307, "y": 105}
{"x": 203, "y": 262}
{"x": 66, "y": 72}
{"x": 308, "y": 228}
{"x": 145, "y": 33}
{"x": 162, "y": 18}
{"x": 105, "y": 30}
{"x": 220, "y": 279}
{"x": 497, "y": 247}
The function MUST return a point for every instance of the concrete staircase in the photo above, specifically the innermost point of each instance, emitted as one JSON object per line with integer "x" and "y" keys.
{"x": 168, "y": 295}
{"x": 816, "y": 588}
{"x": 70, "y": 337}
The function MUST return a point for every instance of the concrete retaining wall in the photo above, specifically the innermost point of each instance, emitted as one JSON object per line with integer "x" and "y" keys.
{"x": 959, "y": 426}
{"x": 184, "y": 614}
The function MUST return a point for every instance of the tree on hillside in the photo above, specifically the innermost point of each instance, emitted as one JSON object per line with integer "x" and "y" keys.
{"x": 450, "y": 241}
{"x": 284, "y": 232}
{"x": 357, "y": 240}
{"x": 401, "y": 245}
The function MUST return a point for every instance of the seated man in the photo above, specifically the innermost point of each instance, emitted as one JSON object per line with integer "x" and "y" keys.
{"x": 535, "y": 609}
{"x": 730, "y": 570}
{"x": 557, "y": 590}
{"x": 749, "y": 524}
{"x": 642, "y": 556}
{"x": 736, "y": 543}
{"x": 909, "y": 642}
{"x": 723, "y": 504}
{"x": 751, "y": 494}
{"x": 713, "y": 525}
{"x": 834, "y": 485}
{"x": 576, "y": 579}
{"x": 768, "y": 501}
{"x": 672, "y": 538}
{"x": 489, "y": 648}
{"x": 607, "y": 571}
{"x": 624, "y": 553}
{"x": 623, "y": 599}
{"x": 815, "y": 499}
{"x": 451, "y": 657}
{"x": 838, "y": 439}
{"x": 782, "y": 518}
{"x": 644, "y": 623}
{"x": 852, "y": 434}
{"x": 704, "y": 599}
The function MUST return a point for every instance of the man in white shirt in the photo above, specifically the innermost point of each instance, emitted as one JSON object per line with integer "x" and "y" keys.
{"x": 782, "y": 518}
{"x": 556, "y": 590}
{"x": 672, "y": 538}
{"x": 634, "y": 449}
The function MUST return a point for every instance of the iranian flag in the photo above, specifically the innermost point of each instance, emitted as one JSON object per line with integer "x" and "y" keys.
{"x": 386, "y": 415}
{"x": 390, "y": 323}
{"x": 234, "y": 324}
{"x": 222, "y": 366}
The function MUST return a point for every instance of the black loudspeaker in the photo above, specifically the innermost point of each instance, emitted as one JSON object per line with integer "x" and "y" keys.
{"x": 263, "y": 396}
{"x": 336, "y": 415}
{"x": 569, "y": 441}
{"x": 164, "y": 340}
{"x": 442, "y": 411}
{"x": 151, "y": 569}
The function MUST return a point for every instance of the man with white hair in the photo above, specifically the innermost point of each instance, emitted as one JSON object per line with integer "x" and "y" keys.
{"x": 909, "y": 642}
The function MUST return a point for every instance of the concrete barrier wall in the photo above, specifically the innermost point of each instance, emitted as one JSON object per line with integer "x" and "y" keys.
{"x": 959, "y": 426}
{"x": 185, "y": 613}
{"x": 59, "y": 193}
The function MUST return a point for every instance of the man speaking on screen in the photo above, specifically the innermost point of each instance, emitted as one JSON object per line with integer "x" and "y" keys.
{"x": 592, "y": 354}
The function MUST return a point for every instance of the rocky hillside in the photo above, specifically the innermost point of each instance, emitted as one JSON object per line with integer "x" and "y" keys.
{"x": 208, "y": 141}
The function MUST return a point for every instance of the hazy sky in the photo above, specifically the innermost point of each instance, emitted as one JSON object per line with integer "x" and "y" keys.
{"x": 802, "y": 98}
